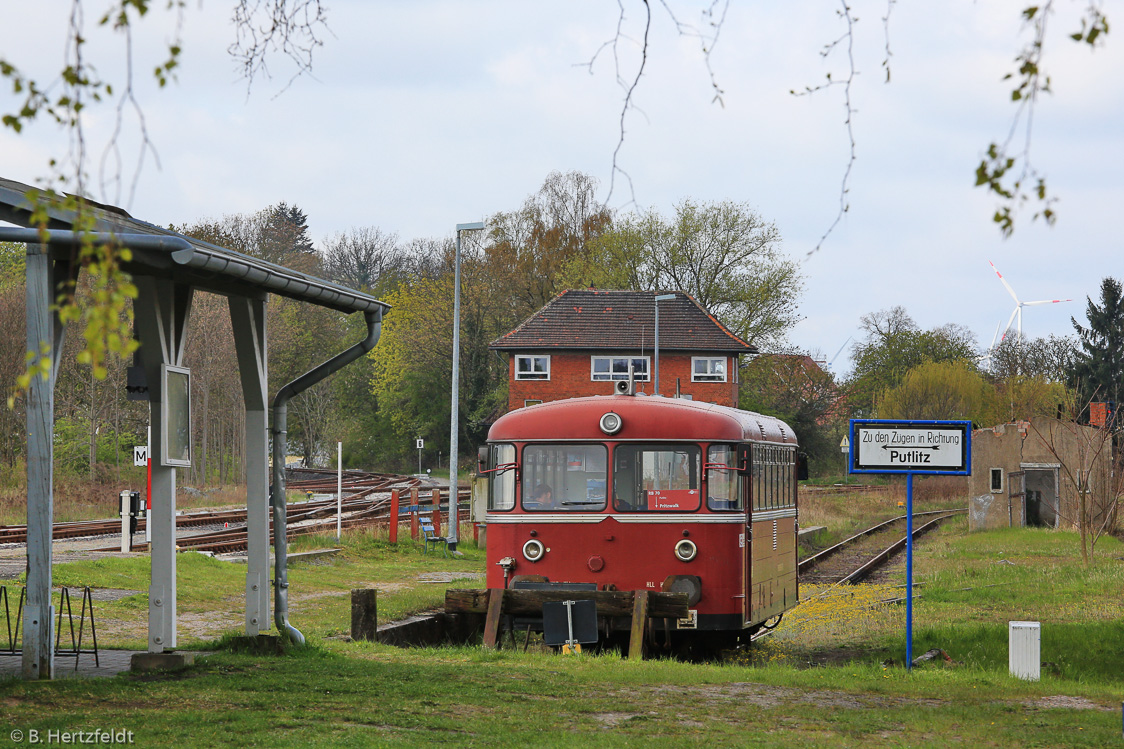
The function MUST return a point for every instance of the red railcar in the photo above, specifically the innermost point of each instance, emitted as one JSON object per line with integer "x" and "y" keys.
{"x": 649, "y": 493}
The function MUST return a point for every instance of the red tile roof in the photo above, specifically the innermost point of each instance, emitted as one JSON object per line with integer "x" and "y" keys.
{"x": 593, "y": 319}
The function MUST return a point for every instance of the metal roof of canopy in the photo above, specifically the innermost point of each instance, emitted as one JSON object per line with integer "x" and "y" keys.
{"x": 197, "y": 263}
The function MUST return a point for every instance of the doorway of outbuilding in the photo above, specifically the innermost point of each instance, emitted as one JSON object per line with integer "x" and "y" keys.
{"x": 1042, "y": 497}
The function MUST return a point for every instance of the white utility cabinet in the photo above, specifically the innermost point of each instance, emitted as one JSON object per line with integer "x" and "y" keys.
{"x": 1024, "y": 643}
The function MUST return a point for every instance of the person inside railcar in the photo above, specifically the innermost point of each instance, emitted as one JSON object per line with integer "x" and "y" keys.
{"x": 542, "y": 498}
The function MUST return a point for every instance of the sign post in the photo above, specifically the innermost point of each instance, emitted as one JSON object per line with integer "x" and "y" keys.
{"x": 142, "y": 458}
{"x": 421, "y": 446}
{"x": 942, "y": 448}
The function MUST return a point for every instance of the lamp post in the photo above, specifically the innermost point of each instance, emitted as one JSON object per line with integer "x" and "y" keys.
{"x": 454, "y": 419}
{"x": 659, "y": 298}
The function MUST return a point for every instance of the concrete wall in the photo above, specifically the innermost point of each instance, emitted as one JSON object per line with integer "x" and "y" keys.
{"x": 1041, "y": 444}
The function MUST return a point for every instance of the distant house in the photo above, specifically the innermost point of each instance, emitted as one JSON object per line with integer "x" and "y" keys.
{"x": 1023, "y": 474}
{"x": 583, "y": 341}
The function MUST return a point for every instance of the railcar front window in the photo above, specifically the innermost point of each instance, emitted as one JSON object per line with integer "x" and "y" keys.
{"x": 501, "y": 484}
{"x": 657, "y": 479}
{"x": 564, "y": 478}
{"x": 722, "y": 483}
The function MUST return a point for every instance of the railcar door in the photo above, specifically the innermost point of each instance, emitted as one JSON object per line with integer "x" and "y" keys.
{"x": 747, "y": 489}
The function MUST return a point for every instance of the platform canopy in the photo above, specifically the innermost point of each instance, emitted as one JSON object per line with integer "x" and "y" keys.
{"x": 190, "y": 261}
{"x": 167, "y": 268}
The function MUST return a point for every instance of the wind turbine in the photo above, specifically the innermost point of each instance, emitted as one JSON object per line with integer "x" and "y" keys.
{"x": 831, "y": 363}
{"x": 1018, "y": 312}
{"x": 985, "y": 360}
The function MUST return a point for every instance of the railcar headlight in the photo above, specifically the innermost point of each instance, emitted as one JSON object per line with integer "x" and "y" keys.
{"x": 611, "y": 423}
{"x": 533, "y": 550}
{"x": 685, "y": 550}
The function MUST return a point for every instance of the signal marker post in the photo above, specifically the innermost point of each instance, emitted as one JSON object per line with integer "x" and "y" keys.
{"x": 933, "y": 448}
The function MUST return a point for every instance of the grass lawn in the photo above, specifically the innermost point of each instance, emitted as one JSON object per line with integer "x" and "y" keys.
{"x": 831, "y": 675}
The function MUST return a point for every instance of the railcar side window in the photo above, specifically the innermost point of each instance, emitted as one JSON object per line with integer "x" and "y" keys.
{"x": 773, "y": 490}
{"x": 772, "y": 477}
{"x": 564, "y": 478}
{"x": 501, "y": 484}
{"x": 722, "y": 483}
{"x": 756, "y": 466}
{"x": 661, "y": 478}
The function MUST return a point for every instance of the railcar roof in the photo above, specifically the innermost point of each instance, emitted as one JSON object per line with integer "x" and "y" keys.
{"x": 643, "y": 418}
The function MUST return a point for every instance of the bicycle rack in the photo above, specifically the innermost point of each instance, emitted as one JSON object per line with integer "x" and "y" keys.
{"x": 75, "y": 650}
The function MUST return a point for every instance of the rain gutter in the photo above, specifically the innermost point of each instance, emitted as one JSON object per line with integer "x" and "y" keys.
{"x": 280, "y": 450}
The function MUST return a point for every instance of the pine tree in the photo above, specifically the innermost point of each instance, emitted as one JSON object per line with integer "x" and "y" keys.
{"x": 1098, "y": 371}
{"x": 284, "y": 237}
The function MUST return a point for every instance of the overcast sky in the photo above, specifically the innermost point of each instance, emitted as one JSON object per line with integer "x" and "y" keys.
{"x": 420, "y": 115}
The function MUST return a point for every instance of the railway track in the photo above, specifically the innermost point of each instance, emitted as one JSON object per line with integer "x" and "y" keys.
{"x": 857, "y": 557}
{"x": 847, "y": 489}
{"x": 356, "y": 514}
{"x": 357, "y": 485}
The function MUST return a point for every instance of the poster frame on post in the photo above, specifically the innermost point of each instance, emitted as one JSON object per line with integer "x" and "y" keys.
{"x": 175, "y": 417}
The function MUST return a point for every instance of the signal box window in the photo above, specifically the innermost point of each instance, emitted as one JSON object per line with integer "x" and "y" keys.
{"x": 996, "y": 480}
{"x": 564, "y": 478}
{"x": 616, "y": 368}
{"x": 708, "y": 369}
{"x": 656, "y": 479}
{"x": 532, "y": 367}
{"x": 501, "y": 484}
{"x": 722, "y": 480}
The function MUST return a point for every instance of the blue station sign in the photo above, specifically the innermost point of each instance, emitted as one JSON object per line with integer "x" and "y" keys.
{"x": 923, "y": 447}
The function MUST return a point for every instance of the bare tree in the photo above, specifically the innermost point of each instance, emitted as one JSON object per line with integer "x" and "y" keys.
{"x": 1090, "y": 476}
{"x": 886, "y": 323}
{"x": 365, "y": 258}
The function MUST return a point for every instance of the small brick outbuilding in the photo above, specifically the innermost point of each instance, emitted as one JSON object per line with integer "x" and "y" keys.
{"x": 584, "y": 340}
{"x": 1026, "y": 473}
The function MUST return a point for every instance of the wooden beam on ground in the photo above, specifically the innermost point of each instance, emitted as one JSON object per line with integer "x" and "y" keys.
{"x": 364, "y": 614}
{"x": 495, "y": 599}
{"x": 640, "y": 613}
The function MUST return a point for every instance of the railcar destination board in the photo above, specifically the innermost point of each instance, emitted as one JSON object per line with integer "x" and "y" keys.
{"x": 927, "y": 447}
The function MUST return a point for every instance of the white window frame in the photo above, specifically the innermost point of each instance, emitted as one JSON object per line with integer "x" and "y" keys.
{"x": 709, "y": 376}
{"x": 532, "y": 374}
{"x": 610, "y": 376}
{"x": 991, "y": 480}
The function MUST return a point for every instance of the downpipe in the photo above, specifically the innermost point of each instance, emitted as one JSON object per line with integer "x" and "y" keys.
{"x": 280, "y": 450}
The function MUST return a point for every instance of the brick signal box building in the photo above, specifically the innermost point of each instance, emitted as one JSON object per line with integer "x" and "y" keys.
{"x": 583, "y": 341}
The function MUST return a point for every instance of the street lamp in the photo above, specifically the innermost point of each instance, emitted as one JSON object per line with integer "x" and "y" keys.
{"x": 659, "y": 298}
{"x": 454, "y": 419}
